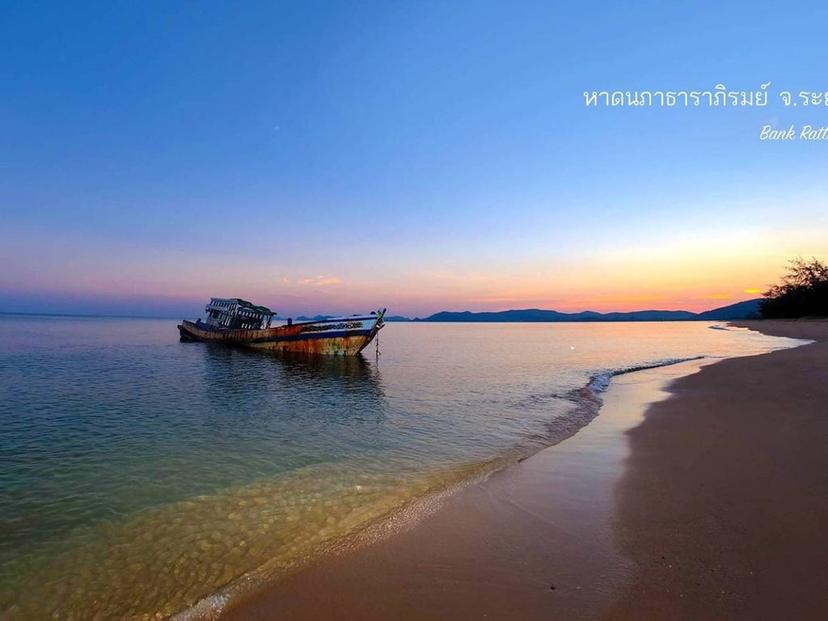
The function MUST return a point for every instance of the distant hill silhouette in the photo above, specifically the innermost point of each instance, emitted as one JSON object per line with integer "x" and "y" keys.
{"x": 324, "y": 317}
{"x": 749, "y": 309}
{"x": 741, "y": 310}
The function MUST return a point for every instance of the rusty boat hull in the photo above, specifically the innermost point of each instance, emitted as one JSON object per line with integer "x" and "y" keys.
{"x": 344, "y": 336}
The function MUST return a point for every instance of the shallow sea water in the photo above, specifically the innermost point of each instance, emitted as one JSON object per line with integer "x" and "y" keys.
{"x": 140, "y": 476}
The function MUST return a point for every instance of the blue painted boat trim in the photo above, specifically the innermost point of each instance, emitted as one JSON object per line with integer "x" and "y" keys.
{"x": 310, "y": 336}
{"x": 331, "y": 320}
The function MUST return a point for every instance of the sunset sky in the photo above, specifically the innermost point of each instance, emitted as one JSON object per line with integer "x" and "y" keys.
{"x": 338, "y": 157}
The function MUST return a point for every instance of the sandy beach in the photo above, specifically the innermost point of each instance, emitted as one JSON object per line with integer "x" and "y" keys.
{"x": 725, "y": 499}
{"x": 700, "y": 491}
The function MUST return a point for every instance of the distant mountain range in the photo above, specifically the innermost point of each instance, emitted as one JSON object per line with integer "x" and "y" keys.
{"x": 748, "y": 309}
{"x": 324, "y": 317}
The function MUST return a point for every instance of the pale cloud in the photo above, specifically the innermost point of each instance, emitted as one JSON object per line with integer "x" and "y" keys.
{"x": 320, "y": 281}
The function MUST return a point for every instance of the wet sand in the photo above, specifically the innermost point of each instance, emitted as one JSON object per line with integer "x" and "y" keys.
{"x": 724, "y": 504}
{"x": 711, "y": 504}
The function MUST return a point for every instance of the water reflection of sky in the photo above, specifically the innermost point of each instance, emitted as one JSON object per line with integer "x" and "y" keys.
{"x": 105, "y": 419}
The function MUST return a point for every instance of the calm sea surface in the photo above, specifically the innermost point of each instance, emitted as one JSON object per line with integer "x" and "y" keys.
{"x": 140, "y": 475}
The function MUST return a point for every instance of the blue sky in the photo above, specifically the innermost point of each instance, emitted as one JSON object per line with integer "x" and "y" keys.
{"x": 341, "y": 156}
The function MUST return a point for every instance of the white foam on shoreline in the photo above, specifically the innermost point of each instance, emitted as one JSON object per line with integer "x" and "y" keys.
{"x": 588, "y": 401}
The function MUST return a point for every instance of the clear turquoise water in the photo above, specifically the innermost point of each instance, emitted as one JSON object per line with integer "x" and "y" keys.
{"x": 139, "y": 475}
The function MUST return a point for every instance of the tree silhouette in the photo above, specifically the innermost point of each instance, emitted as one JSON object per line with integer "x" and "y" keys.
{"x": 802, "y": 292}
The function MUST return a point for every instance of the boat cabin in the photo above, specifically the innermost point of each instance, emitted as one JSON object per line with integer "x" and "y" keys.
{"x": 237, "y": 314}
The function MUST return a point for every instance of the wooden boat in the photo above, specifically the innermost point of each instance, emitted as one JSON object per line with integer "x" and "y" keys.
{"x": 237, "y": 322}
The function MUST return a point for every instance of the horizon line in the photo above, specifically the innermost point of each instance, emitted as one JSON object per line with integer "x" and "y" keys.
{"x": 507, "y": 310}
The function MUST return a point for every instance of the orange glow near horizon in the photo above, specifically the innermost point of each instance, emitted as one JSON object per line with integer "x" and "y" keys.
{"x": 677, "y": 274}
{"x": 693, "y": 285}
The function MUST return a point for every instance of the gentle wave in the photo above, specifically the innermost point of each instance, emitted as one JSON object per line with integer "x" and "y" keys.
{"x": 643, "y": 367}
{"x": 193, "y": 550}
{"x": 587, "y": 401}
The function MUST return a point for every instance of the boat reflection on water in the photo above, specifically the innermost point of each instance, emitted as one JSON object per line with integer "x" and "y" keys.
{"x": 253, "y": 384}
